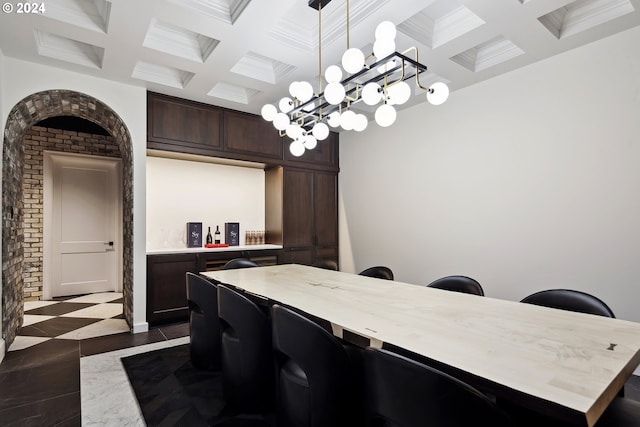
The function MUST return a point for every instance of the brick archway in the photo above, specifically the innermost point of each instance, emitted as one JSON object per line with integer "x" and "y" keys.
{"x": 22, "y": 117}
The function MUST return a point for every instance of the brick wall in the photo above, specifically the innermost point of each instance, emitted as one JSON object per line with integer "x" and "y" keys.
{"x": 22, "y": 117}
{"x": 36, "y": 140}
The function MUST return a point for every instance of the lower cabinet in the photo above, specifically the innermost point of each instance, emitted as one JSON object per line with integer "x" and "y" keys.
{"x": 166, "y": 283}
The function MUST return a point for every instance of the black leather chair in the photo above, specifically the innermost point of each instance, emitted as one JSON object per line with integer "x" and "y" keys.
{"x": 204, "y": 327}
{"x": 462, "y": 284}
{"x": 247, "y": 358}
{"x": 314, "y": 379}
{"x": 327, "y": 264}
{"x": 402, "y": 392}
{"x": 239, "y": 263}
{"x": 379, "y": 272}
{"x": 571, "y": 300}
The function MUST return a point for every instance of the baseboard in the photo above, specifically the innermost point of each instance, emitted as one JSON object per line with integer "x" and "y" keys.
{"x": 140, "y": 327}
{"x": 3, "y": 350}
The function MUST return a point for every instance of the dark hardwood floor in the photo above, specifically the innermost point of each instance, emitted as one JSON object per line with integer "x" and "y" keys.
{"x": 40, "y": 385}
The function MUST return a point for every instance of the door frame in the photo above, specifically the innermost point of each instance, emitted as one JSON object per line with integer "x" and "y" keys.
{"x": 49, "y": 160}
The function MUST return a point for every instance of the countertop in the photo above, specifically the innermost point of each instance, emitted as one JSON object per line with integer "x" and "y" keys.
{"x": 203, "y": 249}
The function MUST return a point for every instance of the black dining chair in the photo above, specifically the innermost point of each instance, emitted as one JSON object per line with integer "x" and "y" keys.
{"x": 247, "y": 359}
{"x": 204, "y": 326}
{"x": 314, "y": 377}
{"x": 571, "y": 300}
{"x": 379, "y": 271}
{"x": 239, "y": 263}
{"x": 403, "y": 392}
{"x": 327, "y": 264}
{"x": 462, "y": 284}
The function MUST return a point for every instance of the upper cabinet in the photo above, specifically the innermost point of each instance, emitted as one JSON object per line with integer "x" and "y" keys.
{"x": 252, "y": 135}
{"x": 173, "y": 121}
{"x": 325, "y": 153}
{"x": 183, "y": 126}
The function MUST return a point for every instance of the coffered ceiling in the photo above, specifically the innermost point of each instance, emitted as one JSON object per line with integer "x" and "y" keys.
{"x": 241, "y": 54}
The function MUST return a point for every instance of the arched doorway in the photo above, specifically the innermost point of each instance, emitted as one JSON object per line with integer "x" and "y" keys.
{"x": 23, "y": 116}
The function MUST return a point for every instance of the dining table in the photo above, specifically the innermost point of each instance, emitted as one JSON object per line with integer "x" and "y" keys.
{"x": 563, "y": 364}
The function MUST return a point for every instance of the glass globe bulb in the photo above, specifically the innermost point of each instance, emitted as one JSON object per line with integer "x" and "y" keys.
{"x": 293, "y": 89}
{"x": 285, "y": 104}
{"x": 296, "y": 148}
{"x": 347, "y": 120}
{"x": 383, "y": 48}
{"x": 398, "y": 93}
{"x": 281, "y": 121}
{"x": 385, "y": 115}
{"x": 371, "y": 93}
{"x": 333, "y": 74}
{"x": 334, "y": 119}
{"x": 310, "y": 142}
{"x": 320, "y": 131}
{"x": 360, "y": 123}
{"x": 334, "y": 93}
{"x": 305, "y": 91}
{"x": 353, "y": 60}
{"x": 386, "y": 30}
{"x": 268, "y": 112}
{"x": 293, "y": 131}
{"x": 438, "y": 93}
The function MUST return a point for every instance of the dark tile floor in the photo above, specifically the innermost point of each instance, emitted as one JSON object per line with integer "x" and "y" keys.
{"x": 40, "y": 385}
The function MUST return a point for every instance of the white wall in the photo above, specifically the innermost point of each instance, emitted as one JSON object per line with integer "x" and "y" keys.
{"x": 528, "y": 181}
{"x": 22, "y": 79}
{"x": 181, "y": 191}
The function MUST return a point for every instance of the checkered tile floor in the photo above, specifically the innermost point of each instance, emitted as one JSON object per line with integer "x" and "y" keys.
{"x": 73, "y": 318}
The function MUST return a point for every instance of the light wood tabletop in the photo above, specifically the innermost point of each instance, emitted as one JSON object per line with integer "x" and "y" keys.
{"x": 568, "y": 364}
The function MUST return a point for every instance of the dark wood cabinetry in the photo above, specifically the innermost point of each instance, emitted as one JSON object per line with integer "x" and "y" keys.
{"x": 188, "y": 127}
{"x": 307, "y": 218}
{"x": 251, "y": 135}
{"x": 184, "y": 126}
{"x": 166, "y": 283}
{"x": 166, "y": 286}
{"x": 325, "y": 153}
{"x": 301, "y": 200}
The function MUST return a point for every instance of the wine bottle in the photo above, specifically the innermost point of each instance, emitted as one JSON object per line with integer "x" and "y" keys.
{"x": 217, "y": 240}
{"x": 209, "y": 238}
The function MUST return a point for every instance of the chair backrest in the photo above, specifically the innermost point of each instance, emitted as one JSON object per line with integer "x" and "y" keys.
{"x": 204, "y": 326}
{"x": 327, "y": 264}
{"x": 247, "y": 358}
{"x": 571, "y": 300}
{"x": 402, "y": 392}
{"x": 462, "y": 284}
{"x": 239, "y": 263}
{"x": 379, "y": 271}
{"x": 314, "y": 379}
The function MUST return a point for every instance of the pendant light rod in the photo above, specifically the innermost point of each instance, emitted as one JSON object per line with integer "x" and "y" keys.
{"x": 348, "y": 25}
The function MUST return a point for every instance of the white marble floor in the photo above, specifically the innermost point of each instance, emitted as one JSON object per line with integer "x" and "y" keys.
{"x": 107, "y": 398}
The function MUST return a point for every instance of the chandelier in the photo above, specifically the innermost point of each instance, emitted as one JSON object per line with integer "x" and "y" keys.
{"x": 379, "y": 79}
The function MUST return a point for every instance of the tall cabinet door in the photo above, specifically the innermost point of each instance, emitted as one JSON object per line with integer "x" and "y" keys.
{"x": 298, "y": 215}
{"x": 325, "y": 208}
{"x": 310, "y": 216}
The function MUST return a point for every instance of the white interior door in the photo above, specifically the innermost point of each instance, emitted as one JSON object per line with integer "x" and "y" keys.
{"x": 84, "y": 215}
